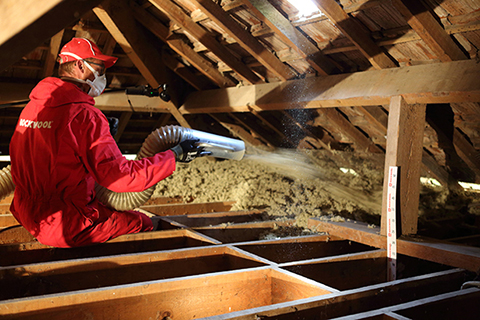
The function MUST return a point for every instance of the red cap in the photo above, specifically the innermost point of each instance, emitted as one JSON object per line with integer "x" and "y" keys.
{"x": 80, "y": 48}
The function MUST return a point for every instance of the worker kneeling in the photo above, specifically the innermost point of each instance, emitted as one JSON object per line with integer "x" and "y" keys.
{"x": 55, "y": 166}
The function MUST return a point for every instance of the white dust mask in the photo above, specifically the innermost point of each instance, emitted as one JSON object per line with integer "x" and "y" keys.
{"x": 98, "y": 84}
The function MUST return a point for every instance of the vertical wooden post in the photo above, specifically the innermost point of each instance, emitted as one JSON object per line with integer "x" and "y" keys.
{"x": 406, "y": 124}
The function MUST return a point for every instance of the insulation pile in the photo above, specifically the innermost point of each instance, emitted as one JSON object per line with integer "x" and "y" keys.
{"x": 298, "y": 185}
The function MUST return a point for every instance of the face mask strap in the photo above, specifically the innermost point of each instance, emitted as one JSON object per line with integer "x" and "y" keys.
{"x": 91, "y": 69}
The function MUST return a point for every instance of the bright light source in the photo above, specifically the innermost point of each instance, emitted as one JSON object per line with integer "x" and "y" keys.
{"x": 305, "y": 8}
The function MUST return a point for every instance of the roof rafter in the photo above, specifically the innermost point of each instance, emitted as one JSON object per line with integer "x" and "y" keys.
{"x": 267, "y": 13}
{"x": 26, "y": 27}
{"x": 429, "y": 29}
{"x": 354, "y": 31}
{"x": 245, "y": 39}
{"x": 51, "y": 58}
{"x": 180, "y": 47}
{"x": 203, "y": 36}
{"x": 116, "y": 17}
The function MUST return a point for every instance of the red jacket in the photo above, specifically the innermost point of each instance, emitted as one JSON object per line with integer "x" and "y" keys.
{"x": 61, "y": 146}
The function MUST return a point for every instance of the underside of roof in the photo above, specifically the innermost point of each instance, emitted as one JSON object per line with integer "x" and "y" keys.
{"x": 259, "y": 71}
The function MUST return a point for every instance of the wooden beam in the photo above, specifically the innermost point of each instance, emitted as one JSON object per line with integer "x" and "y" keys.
{"x": 15, "y": 234}
{"x": 239, "y": 290}
{"x": 443, "y": 252}
{"x": 185, "y": 73}
{"x": 272, "y": 127}
{"x": 467, "y": 153}
{"x": 252, "y": 130}
{"x": 239, "y": 132}
{"x": 376, "y": 117}
{"x": 189, "y": 208}
{"x": 404, "y": 149}
{"x": 282, "y": 27}
{"x": 119, "y": 101}
{"x": 51, "y": 58}
{"x": 117, "y": 18}
{"x": 124, "y": 118}
{"x": 180, "y": 47}
{"x": 28, "y": 25}
{"x": 429, "y": 29}
{"x": 178, "y": 16}
{"x": 361, "y": 142}
{"x": 356, "y": 32}
{"x": 443, "y": 83}
{"x": 7, "y": 220}
{"x": 245, "y": 39}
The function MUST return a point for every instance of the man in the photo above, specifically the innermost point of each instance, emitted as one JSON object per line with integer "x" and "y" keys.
{"x": 62, "y": 145}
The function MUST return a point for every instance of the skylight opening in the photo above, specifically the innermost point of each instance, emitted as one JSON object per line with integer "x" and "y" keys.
{"x": 306, "y": 9}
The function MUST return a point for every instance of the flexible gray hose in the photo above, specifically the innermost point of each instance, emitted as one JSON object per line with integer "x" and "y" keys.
{"x": 6, "y": 182}
{"x": 159, "y": 140}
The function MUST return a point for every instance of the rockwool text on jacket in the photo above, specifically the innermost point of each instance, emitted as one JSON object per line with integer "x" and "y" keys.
{"x": 35, "y": 124}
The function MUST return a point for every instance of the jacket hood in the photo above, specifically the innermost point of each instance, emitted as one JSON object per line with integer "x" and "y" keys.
{"x": 54, "y": 92}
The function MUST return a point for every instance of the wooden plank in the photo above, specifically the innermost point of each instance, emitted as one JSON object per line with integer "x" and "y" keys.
{"x": 7, "y": 200}
{"x": 427, "y": 249}
{"x": 185, "y": 298}
{"x": 116, "y": 17}
{"x": 217, "y": 218}
{"x": 361, "y": 142}
{"x": 180, "y": 47}
{"x": 90, "y": 273}
{"x": 241, "y": 232}
{"x": 443, "y": 83}
{"x": 245, "y": 39}
{"x": 176, "y": 14}
{"x": 379, "y": 119}
{"x": 5, "y": 208}
{"x": 467, "y": 152}
{"x": 189, "y": 208}
{"x": 239, "y": 132}
{"x": 15, "y": 234}
{"x": 448, "y": 305}
{"x": 7, "y": 220}
{"x": 119, "y": 101}
{"x": 357, "y": 300}
{"x": 27, "y": 26}
{"x": 184, "y": 72}
{"x": 282, "y": 27}
{"x": 429, "y": 29}
{"x": 51, "y": 58}
{"x": 404, "y": 150}
{"x": 252, "y": 130}
{"x": 357, "y": 33}
{"x": 35, "y": 252}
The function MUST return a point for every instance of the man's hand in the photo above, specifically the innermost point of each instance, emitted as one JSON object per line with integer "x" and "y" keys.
{"x": 186, "y": 151}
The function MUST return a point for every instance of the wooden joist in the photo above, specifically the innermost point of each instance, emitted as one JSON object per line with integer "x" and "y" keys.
{"x": 428, "y": 249}
{"x": 436, "y": 83}
{"x": 187, "y": 297}
{"x": 188, "y": 208}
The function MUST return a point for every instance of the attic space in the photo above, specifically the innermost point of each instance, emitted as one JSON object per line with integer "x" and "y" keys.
{"x": 343, "y": 174}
